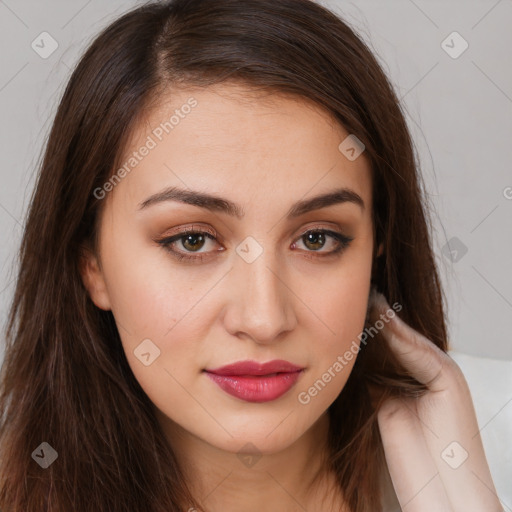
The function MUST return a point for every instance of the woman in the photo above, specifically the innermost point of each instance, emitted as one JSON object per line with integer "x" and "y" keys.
{"x": 267, "y": 369}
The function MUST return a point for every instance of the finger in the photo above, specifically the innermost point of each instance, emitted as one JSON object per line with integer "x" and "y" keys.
{"x": 419, "y": 356}
{"x": 413, "y": 472}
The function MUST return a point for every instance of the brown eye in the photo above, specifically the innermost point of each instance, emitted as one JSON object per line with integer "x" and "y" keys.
{"x": 316, "y": 239}
{"x": 193, "y": 242}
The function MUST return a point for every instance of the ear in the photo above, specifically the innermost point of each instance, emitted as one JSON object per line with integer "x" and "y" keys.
{"x": 380, "y": 250}
{"x": 92, "y": 277}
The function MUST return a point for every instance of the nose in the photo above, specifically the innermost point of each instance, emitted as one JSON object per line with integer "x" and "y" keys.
{"x": 260, "y": 300}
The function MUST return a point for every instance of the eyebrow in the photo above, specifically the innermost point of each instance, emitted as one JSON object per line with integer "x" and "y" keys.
{"x": 219, "y": 204}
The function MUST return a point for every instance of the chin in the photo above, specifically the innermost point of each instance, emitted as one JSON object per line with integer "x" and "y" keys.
{"x": 264, "y": 437}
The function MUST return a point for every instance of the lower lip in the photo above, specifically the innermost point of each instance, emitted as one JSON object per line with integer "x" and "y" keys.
{"x": 256, "y": 388}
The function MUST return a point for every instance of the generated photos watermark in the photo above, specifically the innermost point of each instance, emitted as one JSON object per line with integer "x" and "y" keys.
{"x": 304, "y": 397}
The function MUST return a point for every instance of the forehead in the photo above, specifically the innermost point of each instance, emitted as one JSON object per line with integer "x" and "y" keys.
{"x": 241, "y": 143}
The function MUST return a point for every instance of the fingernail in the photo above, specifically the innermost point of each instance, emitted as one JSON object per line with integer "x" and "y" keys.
{"x": 378, "y": 300}
{"x": 371, "y": 298}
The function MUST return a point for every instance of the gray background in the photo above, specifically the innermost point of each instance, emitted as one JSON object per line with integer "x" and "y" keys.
{"x": 458, "y": 109}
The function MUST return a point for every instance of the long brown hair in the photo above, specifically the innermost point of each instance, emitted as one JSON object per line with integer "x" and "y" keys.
{"x": 65, "y": 378}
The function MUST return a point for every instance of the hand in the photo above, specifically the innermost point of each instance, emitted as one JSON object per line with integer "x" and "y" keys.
{"x": 432, "y": 444}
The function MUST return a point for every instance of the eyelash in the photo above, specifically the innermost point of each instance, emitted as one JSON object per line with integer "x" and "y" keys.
{"x": 166, "y": 243}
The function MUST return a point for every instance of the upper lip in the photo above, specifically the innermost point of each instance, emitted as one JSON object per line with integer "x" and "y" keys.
{"x": 256, "y": 368}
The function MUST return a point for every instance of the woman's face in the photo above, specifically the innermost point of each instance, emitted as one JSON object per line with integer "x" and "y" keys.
{"x": 256, "y": 282}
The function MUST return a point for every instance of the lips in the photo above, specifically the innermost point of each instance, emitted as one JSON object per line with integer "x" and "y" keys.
{"x": 254, "y": 368}
{"x": 256, "y": 382}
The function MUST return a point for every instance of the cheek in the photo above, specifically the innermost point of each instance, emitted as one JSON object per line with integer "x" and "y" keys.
{"x": 337, "y": 301}
{"x": 161, "y": 319}
{"x": 149, "y": 296}
{"x": 152, "y": 300}
{"x": 340, "y": 313}
{"x": 332, "y": 363}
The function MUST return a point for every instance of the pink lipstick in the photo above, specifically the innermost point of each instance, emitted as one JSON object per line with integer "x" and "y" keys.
{"x": 256, "y": 382}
